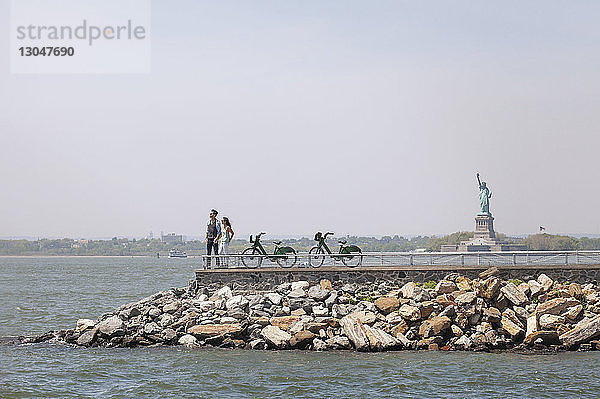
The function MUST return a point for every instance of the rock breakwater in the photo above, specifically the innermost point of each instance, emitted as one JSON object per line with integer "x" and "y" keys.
{"x": 455, "y": 313}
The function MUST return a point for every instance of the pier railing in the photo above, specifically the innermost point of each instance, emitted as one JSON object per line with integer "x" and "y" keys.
{"x": 382, "y": 259}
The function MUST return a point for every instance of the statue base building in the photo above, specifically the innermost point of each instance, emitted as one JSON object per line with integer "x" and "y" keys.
{"x": 484, "y": 239}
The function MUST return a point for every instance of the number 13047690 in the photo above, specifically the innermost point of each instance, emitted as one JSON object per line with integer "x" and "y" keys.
{"x": 46, "y": 51}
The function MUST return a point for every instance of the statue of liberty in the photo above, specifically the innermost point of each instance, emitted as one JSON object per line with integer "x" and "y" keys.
{"x": 484, "y": 197}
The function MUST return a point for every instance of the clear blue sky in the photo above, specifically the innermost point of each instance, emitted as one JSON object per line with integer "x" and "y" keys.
{"x": 358, "y": 117}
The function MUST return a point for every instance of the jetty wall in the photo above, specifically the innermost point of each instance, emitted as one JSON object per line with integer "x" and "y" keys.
{"x": 267, "y": 278}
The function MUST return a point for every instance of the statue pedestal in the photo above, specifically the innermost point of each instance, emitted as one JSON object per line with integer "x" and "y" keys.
{"x": 484, "y": 239}
{"x": 484, "y": 227}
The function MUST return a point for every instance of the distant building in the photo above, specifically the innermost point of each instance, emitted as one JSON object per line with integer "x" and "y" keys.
{"x": 171, "y": 238}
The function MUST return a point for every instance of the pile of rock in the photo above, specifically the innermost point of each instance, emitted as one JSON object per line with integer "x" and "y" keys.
{"x": 453, "y": 314}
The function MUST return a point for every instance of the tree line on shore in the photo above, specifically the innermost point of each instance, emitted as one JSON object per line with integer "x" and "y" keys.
{"x": 150, "y": 247}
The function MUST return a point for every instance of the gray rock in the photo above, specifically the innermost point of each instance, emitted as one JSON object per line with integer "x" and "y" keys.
{"x": 188, "y": 341}
{"x": 112, "y": 326}
{"x": 409, "y": 312}
{"x": 466, "y": 298}
{"x": 171, "y": 307}
{"x": 297, "y": 293}
{"x": 154, "y": 312}
{"x": 276, "y": 337}
{"x": 274, "y": 298}
{"x": 237, "y": 313}
{"x": 319, "y": 345}
{"x": 463, "y": 342}
{"x": 168, "y": 335}
{"x": 353, "y": 329}
{"x": 206, "y": 306}
{"x": 238, "y": 301}
{"x": 166, "y": 319}
{"x": 331, "y": 299}
{"x": 514, "y": 295}
{"x": 224, "y": 293}
{"x": 258, "y": 344}
{"x": 303, "y": 285}
{"x": 350, "y": 288}
{"x": 445, "y": 287}
{"x": 85, "y": 324}
{"x": 339, "y": 341}
{"x": 228, "y": 320}
{"x": 152, "y": 328}
{"x": 87, "y": 338}
{"x": 320, "y": 311}
{"x": 283, "y": 288}
{"x": 317, "y": 293}
{"x": 583, "y": 332}
{"x": 339, "y": 310}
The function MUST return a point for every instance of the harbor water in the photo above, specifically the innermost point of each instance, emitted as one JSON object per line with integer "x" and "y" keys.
{"x": 48, "y": 293}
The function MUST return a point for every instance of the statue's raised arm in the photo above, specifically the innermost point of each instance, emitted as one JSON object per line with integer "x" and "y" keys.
{"x": 478, "y": 181}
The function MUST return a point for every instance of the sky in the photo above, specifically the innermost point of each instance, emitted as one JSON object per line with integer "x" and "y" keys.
{"x": 357, "y": 117}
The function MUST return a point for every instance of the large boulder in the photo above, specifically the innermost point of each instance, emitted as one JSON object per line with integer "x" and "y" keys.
{"x": 318, "y": 293}
{"x": 409, "y": 312}
{"x": 413, "y": 291}
{"x": 203, "y": 331}
{"x": 434, "y": 326}
{"x": 87, "y": 338}
{"x": 112, "y": 326}
{"x": 466, "y": 298}
{"x": 511, "y": 323}
{"x": 554, "y": 306}
{"x": 445, "y": 287}
{"x": 224, "y": 293}
{"x": 387, "y": 304}
{"x": 188, "y": 341}
{"x": 353, "y": 328}
{"x": 583, "y": 332}
{"x": 274, "y": 298}
{"x": 284, "y": 322}
{"x": 489, "y": 287}
{"x": 276, "y": 337}
{"x": 238, "y": 301}
{"x": 301, "y": 339}
{"x": 514, "y": 295}
{"x": 550, "y": 321}
{"x": 545, "y": 281}
{"x": 380, "y": 340}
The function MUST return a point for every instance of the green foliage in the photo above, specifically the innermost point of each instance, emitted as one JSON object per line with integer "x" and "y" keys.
{"x": 549, "y": 242}
{"x": 430, "y": 284}
{"x": 516, "y": 281}
{"x": 435, "y": 243}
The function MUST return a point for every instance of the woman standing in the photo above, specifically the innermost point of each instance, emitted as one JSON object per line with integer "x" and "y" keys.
{"x": 226, "y": 237}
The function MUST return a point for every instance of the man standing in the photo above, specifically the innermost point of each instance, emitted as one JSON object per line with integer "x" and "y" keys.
{"x": 213, "y": 234}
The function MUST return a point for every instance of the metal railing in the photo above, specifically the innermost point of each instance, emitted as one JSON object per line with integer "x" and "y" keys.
{"x": 382, "y": 259}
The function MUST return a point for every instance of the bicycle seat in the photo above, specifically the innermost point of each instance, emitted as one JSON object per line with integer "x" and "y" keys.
{"x": 342, "y": 242}
{"x": 277, "y": 242}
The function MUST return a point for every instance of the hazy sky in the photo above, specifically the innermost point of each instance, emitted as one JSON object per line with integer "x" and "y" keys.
{"x": 359, "y": 117}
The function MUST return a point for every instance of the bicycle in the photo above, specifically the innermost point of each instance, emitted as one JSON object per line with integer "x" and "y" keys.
{"x": 284, "y": 256}
{"x": 350, "y": 255}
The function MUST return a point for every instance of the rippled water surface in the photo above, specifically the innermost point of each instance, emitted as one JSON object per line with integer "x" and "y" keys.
{"x": 39, "y": 294}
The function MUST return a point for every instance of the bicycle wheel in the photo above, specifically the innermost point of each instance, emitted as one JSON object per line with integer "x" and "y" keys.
{"x": 287, "y": 260}
{"x": 353, "y": 259}
{"x": 315, "y": 257}
{"x": 251, "y": 261}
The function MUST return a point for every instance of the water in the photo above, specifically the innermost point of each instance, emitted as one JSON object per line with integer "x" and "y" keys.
{"x": 39, "y": 294}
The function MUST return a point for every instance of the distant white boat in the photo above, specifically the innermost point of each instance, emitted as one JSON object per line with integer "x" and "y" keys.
{"x": 175, "y": 253}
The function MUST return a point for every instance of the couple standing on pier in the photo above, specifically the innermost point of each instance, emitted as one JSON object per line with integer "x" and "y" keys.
{"x": 218, "y": 235}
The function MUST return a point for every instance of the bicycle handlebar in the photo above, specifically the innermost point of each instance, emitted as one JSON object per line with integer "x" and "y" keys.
{"x": 327, "y": 234}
